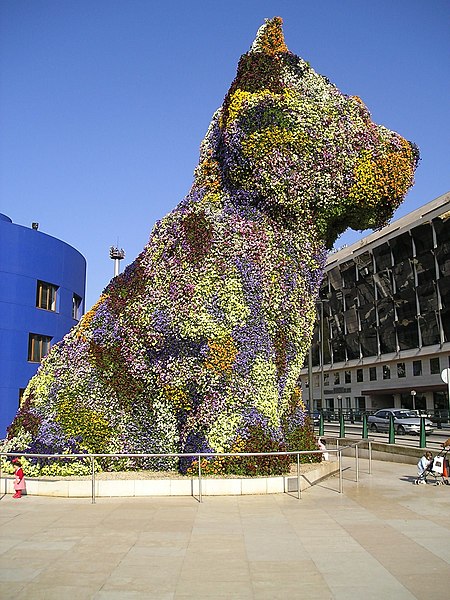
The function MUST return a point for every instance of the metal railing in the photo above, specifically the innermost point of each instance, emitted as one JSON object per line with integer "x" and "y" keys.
{"x": 354, "y": 415}
{"x": 200, "y": 455}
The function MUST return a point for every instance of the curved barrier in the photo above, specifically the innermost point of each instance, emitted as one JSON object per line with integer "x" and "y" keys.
{"x": 96, "y": 485}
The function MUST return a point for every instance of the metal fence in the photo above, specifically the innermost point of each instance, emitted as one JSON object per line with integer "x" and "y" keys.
{"x": 338, "y": 451}
{"x": 353, "y": 415}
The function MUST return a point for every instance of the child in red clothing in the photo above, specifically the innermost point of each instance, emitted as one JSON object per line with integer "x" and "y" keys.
{"x": 19, "y": 479}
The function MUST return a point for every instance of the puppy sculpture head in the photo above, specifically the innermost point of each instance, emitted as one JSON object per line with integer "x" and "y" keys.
{"x": 288, "y": 140}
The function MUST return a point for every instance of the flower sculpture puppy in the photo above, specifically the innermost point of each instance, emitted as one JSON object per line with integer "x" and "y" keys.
{"x": 198, "y": 345}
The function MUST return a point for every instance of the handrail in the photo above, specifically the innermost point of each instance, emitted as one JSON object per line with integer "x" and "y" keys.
{"x": 165, "y": 454}
{"x": 199, "y": 455}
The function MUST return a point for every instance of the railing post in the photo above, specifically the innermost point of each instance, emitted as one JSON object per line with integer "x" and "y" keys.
{"x": 365, "y": 429}
{"x": 341, "y": 424}
{"x": 199, "y": 479}
{"x": 299, "y": 491}
{"x": 93, "y": 479}
{"x": 341, "y": 486}
{"x": 391, "y": 429}
{"x": 422, "y": 436}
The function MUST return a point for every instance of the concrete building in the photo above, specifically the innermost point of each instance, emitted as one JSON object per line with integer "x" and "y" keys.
{"x": 382, "y": 337}
{"x": 42, "y": 291}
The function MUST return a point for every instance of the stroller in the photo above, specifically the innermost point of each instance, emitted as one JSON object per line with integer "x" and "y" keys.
{"x": 437, "y": 468}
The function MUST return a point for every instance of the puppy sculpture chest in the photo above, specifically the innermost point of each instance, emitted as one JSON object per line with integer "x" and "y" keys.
{"x": 200, "y": 342}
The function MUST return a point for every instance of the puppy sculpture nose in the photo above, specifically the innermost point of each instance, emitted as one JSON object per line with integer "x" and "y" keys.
{"x": 415, "y": 151}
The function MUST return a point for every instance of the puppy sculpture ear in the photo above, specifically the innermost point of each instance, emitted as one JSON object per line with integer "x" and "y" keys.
{"x": 270, "y": 38}
{"x": 260, "y": 68}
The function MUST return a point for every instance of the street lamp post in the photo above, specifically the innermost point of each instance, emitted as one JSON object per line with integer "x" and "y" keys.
{"x": 321, "y": 354}
{"x": 413, "y": 396}
{"x": 310, "y": 379}
{"x": 322, "y": 358}
{"x": 445, "y": 376}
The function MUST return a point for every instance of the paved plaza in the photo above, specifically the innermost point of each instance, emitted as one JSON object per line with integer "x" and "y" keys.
{"x": 382, "y": 538}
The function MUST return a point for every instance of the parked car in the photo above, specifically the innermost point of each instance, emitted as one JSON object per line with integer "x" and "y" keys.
{"x": 421, "y": 413}
{"x": 315, "y": 417}
{"x": 405, "y": 421}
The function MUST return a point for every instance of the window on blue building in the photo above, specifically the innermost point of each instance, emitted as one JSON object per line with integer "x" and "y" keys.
{"x": 38, "y": 346}
{"x": 46, "y": 295}
{"x": 76, "y": 307}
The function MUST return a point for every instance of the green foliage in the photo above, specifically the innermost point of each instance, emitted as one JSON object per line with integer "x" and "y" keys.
{"x": 77, "y": 421}
{"x": 301, "y": 438}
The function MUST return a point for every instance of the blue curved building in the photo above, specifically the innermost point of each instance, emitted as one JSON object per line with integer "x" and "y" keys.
{"x": 42, "y": 291}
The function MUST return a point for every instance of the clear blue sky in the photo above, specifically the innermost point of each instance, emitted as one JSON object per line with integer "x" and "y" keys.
{"x": 104, "y": 103}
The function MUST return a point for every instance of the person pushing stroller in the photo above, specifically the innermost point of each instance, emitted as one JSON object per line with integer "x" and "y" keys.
{"x": 424, "y": 466}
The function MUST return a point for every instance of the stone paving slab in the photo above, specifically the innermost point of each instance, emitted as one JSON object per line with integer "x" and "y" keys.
{"x": 383, "y": 537}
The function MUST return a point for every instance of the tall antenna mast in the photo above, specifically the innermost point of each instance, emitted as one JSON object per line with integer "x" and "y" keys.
{"x": 116, "y": 255}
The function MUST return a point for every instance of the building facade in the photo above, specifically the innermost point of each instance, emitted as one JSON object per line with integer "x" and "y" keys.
{"x": 42, "y": 291}
{"x": 382, "y": 338}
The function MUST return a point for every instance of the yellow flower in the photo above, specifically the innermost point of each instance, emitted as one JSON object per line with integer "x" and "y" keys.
{"x": 262, "y": 143}
{"x": 207, "y": 175}
{"x": 221, "y": 355}
{"x": 381, "y": 178}
{"x": 178, "y": 397}
{"x": 87, "y": 317}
